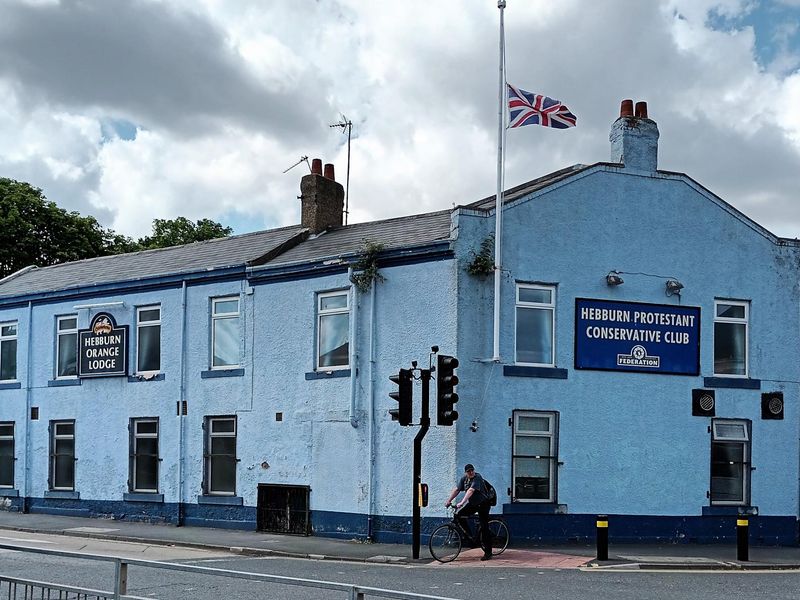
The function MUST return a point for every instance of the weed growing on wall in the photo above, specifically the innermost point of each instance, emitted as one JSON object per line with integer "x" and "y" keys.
{"x": 365, "y": 271}
{"x": 483, "y": 261}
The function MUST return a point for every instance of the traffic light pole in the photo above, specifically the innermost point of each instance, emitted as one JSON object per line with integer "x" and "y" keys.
{"x": 425, "y": 423}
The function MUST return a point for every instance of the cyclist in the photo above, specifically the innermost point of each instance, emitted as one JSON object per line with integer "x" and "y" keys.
{"x": 474, "y": 501}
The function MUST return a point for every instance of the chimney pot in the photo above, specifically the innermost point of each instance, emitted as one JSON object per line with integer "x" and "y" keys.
{"x": 634, "y": 140}
{"x": 626, "y": 108}
{"x": 329, "y": 172}
{"x": 316, "y": 166}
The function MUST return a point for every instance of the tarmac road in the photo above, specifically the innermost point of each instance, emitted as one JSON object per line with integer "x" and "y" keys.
{"x": 467, "y": 578}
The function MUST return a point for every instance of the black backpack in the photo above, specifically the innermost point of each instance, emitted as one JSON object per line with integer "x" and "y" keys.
{"x": 490, "y": 492}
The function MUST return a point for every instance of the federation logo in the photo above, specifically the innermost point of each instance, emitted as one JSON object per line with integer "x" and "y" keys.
{"x": 638, "y": 358}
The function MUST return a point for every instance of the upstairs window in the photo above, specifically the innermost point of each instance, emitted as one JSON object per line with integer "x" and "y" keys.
{"x": 7, "y": 454}
{"x": 148, "y": 339}
{"x": 731, "y": 338}
{"x": 333, "y": 330}
{"x": 225, "y": 333}
{"x": 535, "y": 324}
{"x": 8, "y": 351}
{"x": 67, "y": 347}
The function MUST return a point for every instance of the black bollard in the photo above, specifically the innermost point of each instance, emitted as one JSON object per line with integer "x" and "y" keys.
{"x": 602, "y": 537}
{"x": 742, "y": 539}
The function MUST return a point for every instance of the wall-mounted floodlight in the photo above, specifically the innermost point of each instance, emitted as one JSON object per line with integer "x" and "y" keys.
{"x": 673, "y": 287}
{"x": 613, "y": 278}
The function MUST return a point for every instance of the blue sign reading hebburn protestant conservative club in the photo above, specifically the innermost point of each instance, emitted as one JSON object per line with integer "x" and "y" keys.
{"x": 633, "y": 336}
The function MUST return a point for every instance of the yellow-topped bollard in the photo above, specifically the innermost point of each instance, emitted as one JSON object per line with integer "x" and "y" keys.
{"x": 602, "y": 537}
{"x": 742, "y": 539}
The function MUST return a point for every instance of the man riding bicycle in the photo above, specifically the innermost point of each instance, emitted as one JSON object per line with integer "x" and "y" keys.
{"x": 475, "y": 500}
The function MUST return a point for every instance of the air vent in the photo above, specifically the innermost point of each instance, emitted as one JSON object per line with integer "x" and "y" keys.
{"x": 703, "y": 403}
{"x": 772, "y": 406}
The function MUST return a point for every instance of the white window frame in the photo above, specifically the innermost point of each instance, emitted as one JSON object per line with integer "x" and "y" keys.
{"x": 746, "y": 322}
{"x": 13, "y": 450}
{"x": 10, "y": 338}
{"x": 219, "y": 316}
{"x": 141, "y": 325}
{"x": 59, "y": 333}
{"x": 552, "y": 434}
{"x": 745, "y": 440}
{"x": 329, "y": 312}
{"x": 54, "y": 436}
{"x": 547, "y": 306}
{"x": 211, "y": 434}
{"x": 136, "y": 435}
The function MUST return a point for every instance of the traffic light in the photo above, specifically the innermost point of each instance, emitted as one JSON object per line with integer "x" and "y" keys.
{"x": 403, "y": 395}
{"x": 446, "y": 396}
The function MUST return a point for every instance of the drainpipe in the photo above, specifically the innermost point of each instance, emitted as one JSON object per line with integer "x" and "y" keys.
{"x": 28, "y": 404}
{"x": 353, "y": 342}
{"x": 371, "y": 411}
{"x": 181, "y": 417}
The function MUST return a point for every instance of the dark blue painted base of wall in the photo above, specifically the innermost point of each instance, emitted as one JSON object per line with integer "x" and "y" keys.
{"x": 544, "y": 528}
{"x": 526, "y": 528}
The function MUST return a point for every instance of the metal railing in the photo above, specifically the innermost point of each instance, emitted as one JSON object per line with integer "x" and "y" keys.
{"x": 51, "y": 591}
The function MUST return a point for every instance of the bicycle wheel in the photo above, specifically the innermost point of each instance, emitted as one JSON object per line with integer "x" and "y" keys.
{"x": 445, "y": 543}
{"x": 499, "y": 536}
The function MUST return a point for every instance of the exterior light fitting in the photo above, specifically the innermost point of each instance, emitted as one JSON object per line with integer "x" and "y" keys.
{"x": 673, "y": 287}
{"x": 613, "y": 278}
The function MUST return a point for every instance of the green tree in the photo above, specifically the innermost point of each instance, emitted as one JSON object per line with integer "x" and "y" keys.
{"x": 174, "y": 232}
{"x": 35, "y": 231}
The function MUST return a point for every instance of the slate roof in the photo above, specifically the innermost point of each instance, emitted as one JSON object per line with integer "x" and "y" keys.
{"x": 392, "y": 233}
{"x": 270, "y": 248}
{"x": 530, "y": 186}
{"x": 237, "y": 250}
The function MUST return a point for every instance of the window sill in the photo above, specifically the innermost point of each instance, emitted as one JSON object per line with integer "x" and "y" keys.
{"x": 741, "y": 383}
{"x": 62, "y": 494}
{"x": 146, "y": 377}
{"x": 214, "y": 373}
{"x": 9, "y": 493}
{"x": 327, "y": 374}
{"x": 728, "y": 510}
{"x": 143, "y": 497}
{"x": 223, "y": 500}
{"x": 545, "y": 372}
{"x": 534, "y": 508}
{"x": 63, "y": 382}
{"x": 11, "y": 385}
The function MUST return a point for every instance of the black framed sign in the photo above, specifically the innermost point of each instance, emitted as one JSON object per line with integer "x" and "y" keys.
{"x": 103, "y": 348}
{"x": 634, "y": 336}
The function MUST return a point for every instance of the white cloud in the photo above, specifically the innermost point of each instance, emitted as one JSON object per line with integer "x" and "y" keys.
{"x": 227, "y": 95}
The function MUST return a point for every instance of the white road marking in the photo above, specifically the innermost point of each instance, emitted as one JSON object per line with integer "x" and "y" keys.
{"x": 28, "y": 540}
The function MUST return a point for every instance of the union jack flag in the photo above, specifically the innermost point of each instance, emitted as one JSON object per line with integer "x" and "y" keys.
{"x": 525, "y": 108}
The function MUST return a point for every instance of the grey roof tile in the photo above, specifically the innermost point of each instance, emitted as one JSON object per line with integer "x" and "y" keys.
{"x": 392, "y": 233}
{"x": 528, "y": 187}
{"x": 237, "y": 250}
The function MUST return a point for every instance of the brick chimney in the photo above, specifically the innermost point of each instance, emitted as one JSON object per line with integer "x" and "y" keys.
{"x": 321, "y": 198}
{"x": 634, "y": 138}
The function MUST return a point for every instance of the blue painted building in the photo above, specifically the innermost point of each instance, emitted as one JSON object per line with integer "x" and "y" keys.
{"x": 648, "y": 337}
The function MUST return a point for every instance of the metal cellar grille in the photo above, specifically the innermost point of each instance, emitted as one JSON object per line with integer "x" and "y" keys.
{"x": 283, "y": 509}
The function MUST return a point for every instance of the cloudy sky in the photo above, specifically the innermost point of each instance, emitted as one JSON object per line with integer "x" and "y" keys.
{"x": 135, "y": 109}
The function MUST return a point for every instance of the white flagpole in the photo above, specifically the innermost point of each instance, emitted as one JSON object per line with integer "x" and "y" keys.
{"x": 498, "y": 229}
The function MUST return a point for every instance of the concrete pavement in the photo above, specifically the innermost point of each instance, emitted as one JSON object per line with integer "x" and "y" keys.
{"x": 638, "y": 556}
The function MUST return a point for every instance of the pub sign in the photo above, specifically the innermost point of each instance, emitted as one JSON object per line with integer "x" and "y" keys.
{"x": 103, "y": 348}
{"x": 634, "y": 336}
